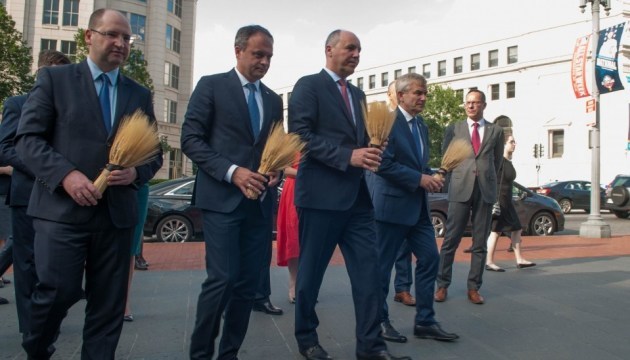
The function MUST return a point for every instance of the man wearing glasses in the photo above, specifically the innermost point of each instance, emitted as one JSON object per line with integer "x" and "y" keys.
{"x": 64, "y": 136}
{"x": 471, "y": 193}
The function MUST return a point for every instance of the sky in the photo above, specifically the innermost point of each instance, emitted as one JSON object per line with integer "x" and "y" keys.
{"x": 388, "y": 31}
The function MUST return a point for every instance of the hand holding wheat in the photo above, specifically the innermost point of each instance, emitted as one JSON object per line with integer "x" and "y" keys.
{"x": 457, "y": 151}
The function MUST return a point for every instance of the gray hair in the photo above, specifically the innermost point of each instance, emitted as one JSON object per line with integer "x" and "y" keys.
{"x": 403, "y": 82}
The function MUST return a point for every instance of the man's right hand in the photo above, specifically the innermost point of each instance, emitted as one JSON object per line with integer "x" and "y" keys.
{"x": 245, "y": 179}
{"x": 367, "y": 158}
{"x": 430, "y": 183}
{"x": 80, "y": 188}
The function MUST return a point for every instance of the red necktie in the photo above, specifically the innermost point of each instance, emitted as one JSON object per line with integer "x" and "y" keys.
{"x": 476, "y": 140}
{"x": 344, "y": 94}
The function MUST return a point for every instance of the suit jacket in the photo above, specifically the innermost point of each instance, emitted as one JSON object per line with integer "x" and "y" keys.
{"x": 484, "y": 166}
{"x": 394, "y": 188}
{"x": 62, "y": 129}
{"x": 217, "y": 133}
{"x": 22, "y": 178}
{"x": 326, "y": 181}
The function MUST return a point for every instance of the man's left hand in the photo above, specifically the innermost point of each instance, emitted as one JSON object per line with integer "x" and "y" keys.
{"x": 122, "y": 177}
{"x": 274, "y": 178}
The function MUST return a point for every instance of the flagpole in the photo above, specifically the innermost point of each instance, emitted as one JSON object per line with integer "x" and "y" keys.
{"x": 595, "y": 227}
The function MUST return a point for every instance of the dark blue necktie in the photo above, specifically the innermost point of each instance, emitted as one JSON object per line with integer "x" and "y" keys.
{"x": 252, "y": 106}
{"x": 103, "y": 97}
{"x": 415, "y": 129}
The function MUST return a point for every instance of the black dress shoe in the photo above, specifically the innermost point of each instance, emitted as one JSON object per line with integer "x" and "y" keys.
{"x": 381, "y": 355}
{"x": 523, "y": 266}
{"x": 267, "y": 307}
{"x": 434, "y": 331}
{"x": 316, "y": 352}
{"x": 388, "y": 333}
{"x": 139, "y": 265}
{"x": 3, "y": 301}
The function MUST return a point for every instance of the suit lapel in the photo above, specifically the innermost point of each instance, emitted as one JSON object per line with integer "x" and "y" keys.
{"x": 424, "y": 133}
{"x": 331, "y": 86}
{"x": 487, "y": 135}
{"x": 267, "y": 120}
{"x": 84, "y": 77}
{"x": 122, "y": 100}
{"x": 358, "y": 110}
{"x": 403, "y": 128}
{"x": 235, "y": 89}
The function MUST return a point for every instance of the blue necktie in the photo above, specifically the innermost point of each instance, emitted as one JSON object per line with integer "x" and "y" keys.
{"x": 103, "y": 97}
{"x": 252, "y": 106}
{"x": 415, "y": 129}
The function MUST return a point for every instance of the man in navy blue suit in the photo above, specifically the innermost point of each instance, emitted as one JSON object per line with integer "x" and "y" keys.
{"x": 64, "y": 137}
{"x": 399, "y": 191}
{"x": 332, "y": 200}
{"x": 224, "y": 133}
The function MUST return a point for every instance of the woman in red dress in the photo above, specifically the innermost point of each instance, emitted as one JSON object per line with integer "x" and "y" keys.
{"x": 287, "y": 244}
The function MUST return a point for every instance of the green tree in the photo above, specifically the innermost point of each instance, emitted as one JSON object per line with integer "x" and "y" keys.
{"x": 443, "y": 107}
{"x": 15, "y": 59}
{"x": 135, "y": 67}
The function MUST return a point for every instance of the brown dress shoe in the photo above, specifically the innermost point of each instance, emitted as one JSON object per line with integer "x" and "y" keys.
{"x": 475, "y": 297}
{"x": 440, "y": 294}
{"x": 405, "y": 298}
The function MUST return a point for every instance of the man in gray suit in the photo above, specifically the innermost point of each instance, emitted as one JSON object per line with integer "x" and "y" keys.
{"x": 472, "y": 191}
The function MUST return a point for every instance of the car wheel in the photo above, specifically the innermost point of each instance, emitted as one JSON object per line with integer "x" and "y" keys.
{"x": 565, "y": 205}
{"x": 619, "y": 195}
{"x": 439, "y": 223}
{"x": 542, "y": 224}
{"x": 174, "y": 228}
{"x": 621, "y": 214}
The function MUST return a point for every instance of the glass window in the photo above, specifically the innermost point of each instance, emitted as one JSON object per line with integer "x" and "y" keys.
{"x": 475, "y": 61}
{"x": 557, "y": 143}
{"x": 458, "y": 64}
{"x": 170, "y": 6}
{"x": 51, "y": 12}
{"x": 411, "y": 70}
{"x": 171, "y": 75}
{"x": 178, "y": 8}
{"x": 137, "y": 23}
{"x": 372, "y": 81}
{"x": 426, "y": 70}
{"x": 360, "y": 83}
{"x": 512, "y": 54}
{"x": 176, "y": 39}
{"x": 397, "y": 74}
{"x": 442, "y": 68}
{"x": 510, "y": 90}
{"x": 70, "y": 13}
{"x": 69, "y": 48}
{"x": 167, "y": 74}
{"x": 170, "y": 111}
{"x": 48, "y": 44}
{"x": 384, "y": 77}
{"x": 169, "y": 37}
{"x": 494, "y": 92}
{"x": 493, "y": 58}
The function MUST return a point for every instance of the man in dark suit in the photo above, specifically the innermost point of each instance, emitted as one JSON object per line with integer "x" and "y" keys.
{"x": 225, "y": 130}
{"x": 399, "y": 192}
{"x": 24, "y": 274}
{"x": 332, "y": 200}
{"x": 64, "y": 141}
{"x": 472, "y": 191}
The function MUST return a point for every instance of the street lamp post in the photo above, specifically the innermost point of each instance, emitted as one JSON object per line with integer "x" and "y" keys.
{"x": 595, "y": 227}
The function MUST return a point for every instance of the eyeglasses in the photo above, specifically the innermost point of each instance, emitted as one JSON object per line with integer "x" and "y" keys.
{"x": 112, "y": 35}
{"x": 473, "y": 103}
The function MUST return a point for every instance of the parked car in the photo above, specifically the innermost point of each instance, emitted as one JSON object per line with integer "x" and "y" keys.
{"x": 618, "y": 196}
{"x": 573, "y": 194}
{"x": 539, "y": 215}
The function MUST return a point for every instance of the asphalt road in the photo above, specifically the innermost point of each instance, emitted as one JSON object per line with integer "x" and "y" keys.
{"x": 577, "y": 217}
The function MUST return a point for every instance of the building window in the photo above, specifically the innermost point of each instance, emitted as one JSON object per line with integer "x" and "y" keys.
{"x": 51, "y": 12}
{"x": 137, "y": 23}
{"x": 171, "y": 75}
{"x": 70, "y": 13}
{"x": 69, "y": 48}
{"x": 397, "y": 74}
{"x": 176, "y": 39}
{"x": 173, "y": 36}
{"x": 48, "y": 44}
{"x": 475, "y": 61}
{"x": 510, "y": 90}
{"x": 289, "y": 96}
{"x": 557, "y": 143}
{"x": 426, "y": 70}
{"x": 170, "y": 111}
{"x": 360, "y": 83}
{"x": 372, "y": 81}
{"x": 175, "y": 7}
{"x": 494, "y": 92}
{"x": 442, "y": 68}
{"x": 458, "y": 65}
{"x": 493, "y": 58}
{"x": 512, "y": 54}
{"x": 384, "y": 77}
{"x": 411, "y": 70}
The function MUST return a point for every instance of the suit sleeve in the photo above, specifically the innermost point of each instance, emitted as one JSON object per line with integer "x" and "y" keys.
{"x": 448, "y": 137}
{"x": 10, "y": 119}
{"x": 304, "y": 115}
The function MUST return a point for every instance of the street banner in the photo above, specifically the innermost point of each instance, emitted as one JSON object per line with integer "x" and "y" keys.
{"x": 578, "y": 67}
{"x": 606, "y": 67}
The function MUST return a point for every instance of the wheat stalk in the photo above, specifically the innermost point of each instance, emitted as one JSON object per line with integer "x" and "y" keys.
{"x": 136, "y": 143}
{"x": 457, "y": 151}
{"x": 378, "y": 122}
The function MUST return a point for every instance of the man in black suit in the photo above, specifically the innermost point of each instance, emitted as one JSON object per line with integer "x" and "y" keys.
{"x": 332, "y": 200}
{"x": 63, "y": 138}
{"x": 24, "y": 274}
{"x": 226, "y": 126}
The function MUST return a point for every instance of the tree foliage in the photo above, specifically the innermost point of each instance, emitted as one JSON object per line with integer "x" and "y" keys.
{"x": 135, "y": 67}
{"x": 443, "y": 107}
{"x": 15, "y": 59}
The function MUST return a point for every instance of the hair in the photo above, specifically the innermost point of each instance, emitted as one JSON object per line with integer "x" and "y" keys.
{"x": 97, "y": 16}
{"x": 393, "y": 83}
{"x": 52, "y": 57}
{"x": 483, "y": 96}
{"x": 403, "y": 82}
{"x": 333, "y": 38}
{"x": 243, "y": 34}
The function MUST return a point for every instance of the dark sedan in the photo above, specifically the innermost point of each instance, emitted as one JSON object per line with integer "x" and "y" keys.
{"x": 572, "y": 194}
{"x": 539, "y": 215}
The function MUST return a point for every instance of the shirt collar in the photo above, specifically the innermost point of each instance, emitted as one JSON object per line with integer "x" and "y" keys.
{"x": 96, "y": 72}
{"x": 244, "y": 80}
{"x": 481, "y": 122}
{"x": 407, "y": 116}
{"x": 333, "y": 75}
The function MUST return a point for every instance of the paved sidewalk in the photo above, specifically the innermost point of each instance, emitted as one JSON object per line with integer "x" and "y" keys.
{"x": 574, "y": 305}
